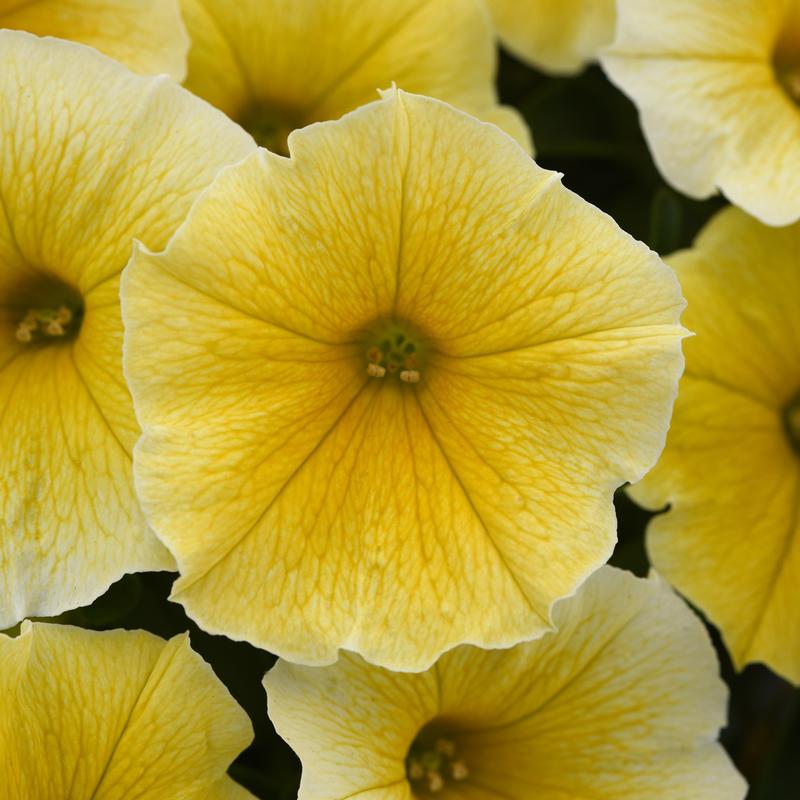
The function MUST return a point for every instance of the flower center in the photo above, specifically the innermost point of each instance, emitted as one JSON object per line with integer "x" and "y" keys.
{"x": 791, "y": 422}
{"x": 394, "y": 350}
{"x": 269, "y": 125}
{"x": 786, "y": 56}
{"x": 47, "y": 323}
{"x": 48, "y": 310}
{"x": 433, "y": 763}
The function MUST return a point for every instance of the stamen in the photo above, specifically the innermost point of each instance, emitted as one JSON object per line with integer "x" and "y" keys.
{"x": 459, "y": 771}
{"x": 435, "y": 781}
{"x": 44, "y": 323}
{"x": 415, "y": 770}
{"x": 393, "y": 350}
{"x": 435, "y": 763}
{"x": 445, "y": 747}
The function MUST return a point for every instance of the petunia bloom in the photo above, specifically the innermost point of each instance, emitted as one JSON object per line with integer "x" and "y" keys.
{"x": 560, "y": 36}
{"x": 717, "y": 83}
{"x": 730, "y": 540}
{"x": 146, "y": 35}
{"x": 92, "y": 157}
{"x": 104, "y": 716}
{"x": 388, "y": 387}
{"x": 277, "y": 65}
{"x": 624, "y": 702}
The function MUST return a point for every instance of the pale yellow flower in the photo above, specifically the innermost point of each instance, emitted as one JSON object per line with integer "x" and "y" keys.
{"x": 717, "y": 83}
{"x": 92, "y": 156}
{"x": 106, "y": 716}
{"x": 624, "y": 702}
{"x": 560, "y": 36}
{"x": 388, "y": 387}
{"x": 276, "y": 65}
{"x": 146, "y": 35}
{"x": 731, "y": 469}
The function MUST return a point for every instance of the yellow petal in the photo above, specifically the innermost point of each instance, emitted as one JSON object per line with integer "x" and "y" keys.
{"x": 703, "y": 77}
{"x": 624, "y": 701}
{"x": 146, "y": 35}
{"x": 730, "y": 541}
{"x": 93, "y": 156}
{"x": 513, "y": 123}
{"x": 112, "y": 715}
{"x": 276, "y": 65}
{"x": 312, "y": 507}
{"x": 560, "y": 36}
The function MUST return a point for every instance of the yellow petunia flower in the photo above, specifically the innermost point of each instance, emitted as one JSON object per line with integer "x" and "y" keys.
{"x": 146, "y": 35}
{"x": 119, "y": 714}
{"x": 717, "y": 83}
{"x": 388, "y": 387}
{"x": 560, "y": 36}
{"x": 277, "y": 65}
{"x": 92, "y": 156}
{"x": 731, "y": 469}
{"x": 623, "y": 703}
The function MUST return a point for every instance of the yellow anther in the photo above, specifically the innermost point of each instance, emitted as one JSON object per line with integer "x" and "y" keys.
{"x": 376, "y": 370}
{"x": 459, "y": 771}
{"x": 445, "y": 747}
{"x": 436, "y": 762}
{"x": 415, "y": 770}
{"x": 435, "y": 781}
{"x": 409, "y": 376}
{"x": 41, "y": 323}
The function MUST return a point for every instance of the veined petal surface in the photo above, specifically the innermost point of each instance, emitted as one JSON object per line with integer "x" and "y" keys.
{"x": 146, "y": 35}
{"x": 560, "y": 36}
{"x": 311, "y": 506}
{"x": 276, "y": 65}
{"x": 706, "y": 76}
{"x": 113, "y": 716}
{"x": 93, "y": 157}
{"x": 624, "y": 701}
{"x": 730, "y": 472}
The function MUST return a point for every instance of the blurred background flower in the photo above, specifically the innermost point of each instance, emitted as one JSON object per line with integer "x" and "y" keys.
{"x": 623, "y": 701}
{"x": 717, "y": 83}
{"x": 276, "y": 65}
{"x": 730, "y": 473}
{"x": 93, "y": 156}
{"x": 148, "y": 36}
{"x": 557, "y": 36}
{"x": 116, "y": 714}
